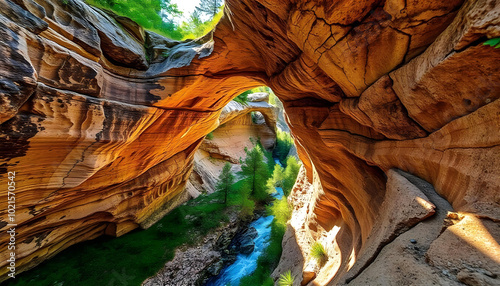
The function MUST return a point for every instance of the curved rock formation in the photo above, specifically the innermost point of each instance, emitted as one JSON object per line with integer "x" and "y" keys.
{"x": 236, "y": 132}
{"x": 101, "y": 120}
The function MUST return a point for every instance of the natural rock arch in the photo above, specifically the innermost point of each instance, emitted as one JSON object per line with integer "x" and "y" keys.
{"x": 100, "y": 119}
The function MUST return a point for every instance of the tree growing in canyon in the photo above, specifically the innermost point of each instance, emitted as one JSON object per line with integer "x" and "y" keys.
{"x": 284, "y": 143}
{"x": 255, "y": 173}
{"x": 155, "y": 15}
{"x": 226, "y": 181}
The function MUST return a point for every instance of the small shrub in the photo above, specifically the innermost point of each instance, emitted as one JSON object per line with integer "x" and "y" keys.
{"x": 242, "y": 98}
{"x": 318, "y": 252}
{"x": 286, "y": 279}
{"x": 493, "y": 42}
{"x": 210, "y": 136}
{"x": 291, "y": 171}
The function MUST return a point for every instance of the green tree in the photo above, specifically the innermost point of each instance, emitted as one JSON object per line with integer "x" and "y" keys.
{"x": 240, "y": 197}
{"x": 255, "y": 173}
{"x": 276, "y": 180}
{"x": 155, "y": 15}
{"x": 209, "y": 7}
{"x": 283, "y": 144}
{"x": 291, "y": 172}
{"x": 195, "y": 18}
{"x": 226, "y": 181}
{"x": 278, "y": 175}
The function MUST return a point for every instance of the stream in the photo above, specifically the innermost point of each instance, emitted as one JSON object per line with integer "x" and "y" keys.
{"x": 246, "y": 264}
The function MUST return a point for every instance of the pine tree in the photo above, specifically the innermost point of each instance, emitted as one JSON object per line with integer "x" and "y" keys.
{"x": 195, "y": 18}
{"x": 226, "y": 181}
{"x": 255, "y": 173}
{"x": 209, "y": 7}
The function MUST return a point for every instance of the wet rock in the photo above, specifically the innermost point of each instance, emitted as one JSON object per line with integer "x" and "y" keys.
{"x": 247, "y": 246}
{"x": 244, "y": 241}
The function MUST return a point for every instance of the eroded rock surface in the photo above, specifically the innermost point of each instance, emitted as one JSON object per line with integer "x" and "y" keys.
{"x": 227, "y": 143}
{"x": 102, "y": 137}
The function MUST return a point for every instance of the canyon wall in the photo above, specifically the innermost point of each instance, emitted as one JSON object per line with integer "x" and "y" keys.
{"x": 238, "y": 129}
{"x": 100, "y": 120}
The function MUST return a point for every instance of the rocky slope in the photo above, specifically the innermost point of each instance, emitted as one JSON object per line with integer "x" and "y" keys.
{"x": 101, "y": 120}
{"x": 195, "y": 264}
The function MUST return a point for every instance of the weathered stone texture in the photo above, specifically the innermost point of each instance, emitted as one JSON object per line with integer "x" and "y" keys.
{"x": 102, "y": 137}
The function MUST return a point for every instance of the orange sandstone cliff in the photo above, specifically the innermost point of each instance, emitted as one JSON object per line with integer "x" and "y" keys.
{"x": 393, "y": 106}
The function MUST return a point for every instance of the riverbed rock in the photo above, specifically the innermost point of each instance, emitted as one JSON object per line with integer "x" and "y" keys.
{"x": 247, "y": 246}
{"x": 102, "y": 140}
{"x": 243, "y": 242}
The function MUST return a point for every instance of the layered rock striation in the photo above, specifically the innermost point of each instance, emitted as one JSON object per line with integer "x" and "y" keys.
{"x": 101, "y": 120}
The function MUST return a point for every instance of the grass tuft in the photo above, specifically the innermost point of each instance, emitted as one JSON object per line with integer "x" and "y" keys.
{"x": 286, "y": 279}
{"x": 318, "y": 252}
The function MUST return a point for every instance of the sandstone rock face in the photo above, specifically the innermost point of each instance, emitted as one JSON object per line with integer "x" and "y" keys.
{"x": 102, "y": 137}
{"x": 236, "y": 132}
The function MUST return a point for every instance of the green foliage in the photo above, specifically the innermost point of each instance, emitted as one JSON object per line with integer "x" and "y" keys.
{"x": 268, "y": 260}
{"x": 495, "y": 42}
{"x": 284, "y": 143}
{"x": 276, "y": 179}
{"x": 226, "y": 181}
{"x": 154, "y": 15}
{"x": 318, "y": 252}
{"x": 196, "y": 28}
{"x": 254, "y": 117}
{"x": 158, "y": 16}
{"x": 291, "y": 171}
{"x": 259, "y": 277}
{"x": 286, "y": 279}
{"x": 268, "y": 154}
{"x": 240, "y": 197}
{"x": 243, "y": 97}
{"x": 281, "y": 212}
{"x": 255, "y": 173}
{"x": 270, "y": 257}
{"x": 209, "y": 7}
{"x": 132, "y": 257}
{"x": 272, "y": 98}
{"x": 210, "y": 136}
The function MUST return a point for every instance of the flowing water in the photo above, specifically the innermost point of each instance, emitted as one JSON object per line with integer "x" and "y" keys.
{"x": 246, "y": 264}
